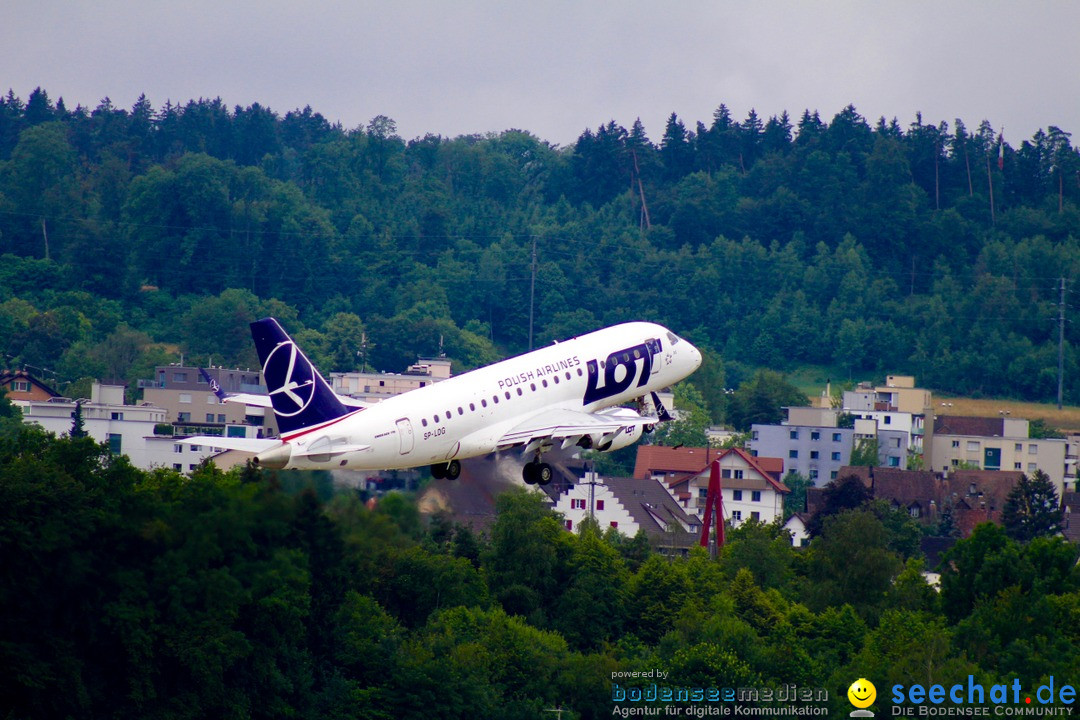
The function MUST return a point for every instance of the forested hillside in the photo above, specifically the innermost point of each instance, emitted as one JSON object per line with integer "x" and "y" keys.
{"x": 129, "y": 236}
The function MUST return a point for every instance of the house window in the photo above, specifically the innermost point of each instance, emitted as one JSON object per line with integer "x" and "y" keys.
{"x": 793, "y": 434}
{"x": 115, "y": 440}
{"x": 1019, "y": 447}
{"x": 179, "y": 377}
{"x": 702, "y": 492}
{"x": 211, "y": 399}
{"x": 177, "y": 466}
{"x": 813, "y": 454}
{"x": 813, "y": 474}
{"x": 221, "y": 417}
{"x": 725, "y": 473}
{"x": 1032, "y": 467}
{"x": 755, "y": 496}
{"x": 209, "y": 417}
{"x": 614, "y": 523}
{"x": 755, "y": 515}
{"x": 836, "y": 457}
{"x": 117, "y": 416}
{"x": 973, "y": 446}
{"x": 1018, "y": 466}
{"x": 569, "y": 524}
{"x": 577, "y": 504}
{"x": 896, "y": 442}
{"x": 736, "y": 494}
{"x": 754, "y": 435}
{"x": 832, "y": 475}
{"x": 793, "y": 453}
{"x": 914, "y": 511}
{"x": 1033, "y": 449}
{"x": 736, "y": 515}
{"x": 836, "y": 437}
{"x": 894, "y": 461}
{"x": 185, "y": 398}
{"x": 178, "y": 448}
{"x": 599, "y": 504}
{"x": 737, "y": 474}
{"x": 183, "y": 417}
{"x": 815, "y": 435}
{"x": 888, "y": 419}
{"x": 956, "y": 443}
{"x": 20, "y": 386}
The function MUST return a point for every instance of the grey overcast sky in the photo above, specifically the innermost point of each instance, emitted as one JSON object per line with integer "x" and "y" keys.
{"x": 555, "y": 67}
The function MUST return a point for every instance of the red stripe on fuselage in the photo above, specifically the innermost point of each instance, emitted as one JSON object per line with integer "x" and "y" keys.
{"x": 314, "y": 428}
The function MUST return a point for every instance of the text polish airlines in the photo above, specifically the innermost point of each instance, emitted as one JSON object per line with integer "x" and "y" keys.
{"x": 564, "y": 395}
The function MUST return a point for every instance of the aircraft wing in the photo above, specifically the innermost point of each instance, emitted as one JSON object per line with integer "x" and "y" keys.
{"x": 570, "y": 426}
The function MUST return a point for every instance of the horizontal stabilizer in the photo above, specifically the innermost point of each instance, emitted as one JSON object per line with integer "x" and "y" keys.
{"x": 251, "y": 445}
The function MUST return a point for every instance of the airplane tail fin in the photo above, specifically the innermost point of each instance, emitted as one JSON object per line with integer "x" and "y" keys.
{"x": 300, "y": 396}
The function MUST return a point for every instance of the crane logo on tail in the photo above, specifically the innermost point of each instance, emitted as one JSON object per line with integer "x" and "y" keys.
{"x": 290, "y": 378}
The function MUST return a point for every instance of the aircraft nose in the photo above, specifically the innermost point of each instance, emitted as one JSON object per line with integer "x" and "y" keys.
{"x": 695, "y": 357}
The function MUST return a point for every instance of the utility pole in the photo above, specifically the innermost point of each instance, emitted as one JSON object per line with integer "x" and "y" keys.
{"x": 1061, "y": 342}
{"x": 532, "y": 293}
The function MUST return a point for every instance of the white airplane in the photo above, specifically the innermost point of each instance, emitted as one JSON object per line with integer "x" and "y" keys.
{"x": 567, "y": 394}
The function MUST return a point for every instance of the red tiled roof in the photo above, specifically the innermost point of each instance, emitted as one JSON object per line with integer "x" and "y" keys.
{"x": 660, "y": 459}
{"x": 754, "y": 463}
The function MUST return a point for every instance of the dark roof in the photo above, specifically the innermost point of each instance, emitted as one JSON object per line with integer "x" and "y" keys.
{"x": 933, "y": 548}
{"x": 977, "y": 426}
{"x": 980, "y": 495}
{"x": 903, "y": 487}
{"x": 1070, "y": 505}
{"x": 6, "y": 376}
{"x": 649, "y": 503}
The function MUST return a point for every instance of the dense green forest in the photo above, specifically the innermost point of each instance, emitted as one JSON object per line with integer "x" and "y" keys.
{"x": 130, "y": 236}
{"x": 128, "y": 593}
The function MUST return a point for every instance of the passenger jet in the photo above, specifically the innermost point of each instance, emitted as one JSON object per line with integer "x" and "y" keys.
{"x": 569, "y": 394}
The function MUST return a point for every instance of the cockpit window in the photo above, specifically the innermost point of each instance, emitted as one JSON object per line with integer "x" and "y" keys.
{"x": 673, "y": 338}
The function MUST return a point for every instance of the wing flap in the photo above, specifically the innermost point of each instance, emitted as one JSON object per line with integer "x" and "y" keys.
{"x": 566, "y": 425}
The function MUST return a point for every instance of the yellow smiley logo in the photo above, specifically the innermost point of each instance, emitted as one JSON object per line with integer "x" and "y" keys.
{"x": 862, "y": 693}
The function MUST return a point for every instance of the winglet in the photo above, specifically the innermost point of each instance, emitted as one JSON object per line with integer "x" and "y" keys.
{"x": 301, "y": 398}
{"x": 661, "y": 411}
{"x": 215, "y": 386}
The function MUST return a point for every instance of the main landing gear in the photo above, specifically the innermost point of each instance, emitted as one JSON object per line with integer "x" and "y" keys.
{"x": 537, "y": 473}
{"x": 448, "y": 471}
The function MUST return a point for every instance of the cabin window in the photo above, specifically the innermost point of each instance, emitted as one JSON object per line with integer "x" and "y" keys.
{"x": 544, "y": 382}
{"x": 507, "y": 394}
{"x": 472, "y": 408}
{"x": 447, "y": 414}
{"x": 483, "y": 403}
{"x": 555, "y": 378}
{"x": 579, "y": 373}
{"x": 495, "y": 399}
{"x": 519, "y": 392}
{"x": 460, "y": 411}
{"x": 533, "y": 386}
{"x": 637, "y": 354}
{"x": 423, "y": 422}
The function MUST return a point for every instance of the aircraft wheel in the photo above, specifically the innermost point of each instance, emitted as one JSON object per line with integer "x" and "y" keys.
{"x": 544, "y": 473}
{"x": 438, "y": 471}
{"x": 529, "y": 474}
{"x": 452, "y": 469}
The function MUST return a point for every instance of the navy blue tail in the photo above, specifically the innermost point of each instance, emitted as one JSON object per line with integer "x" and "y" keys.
{"x": 299, "y": 394}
